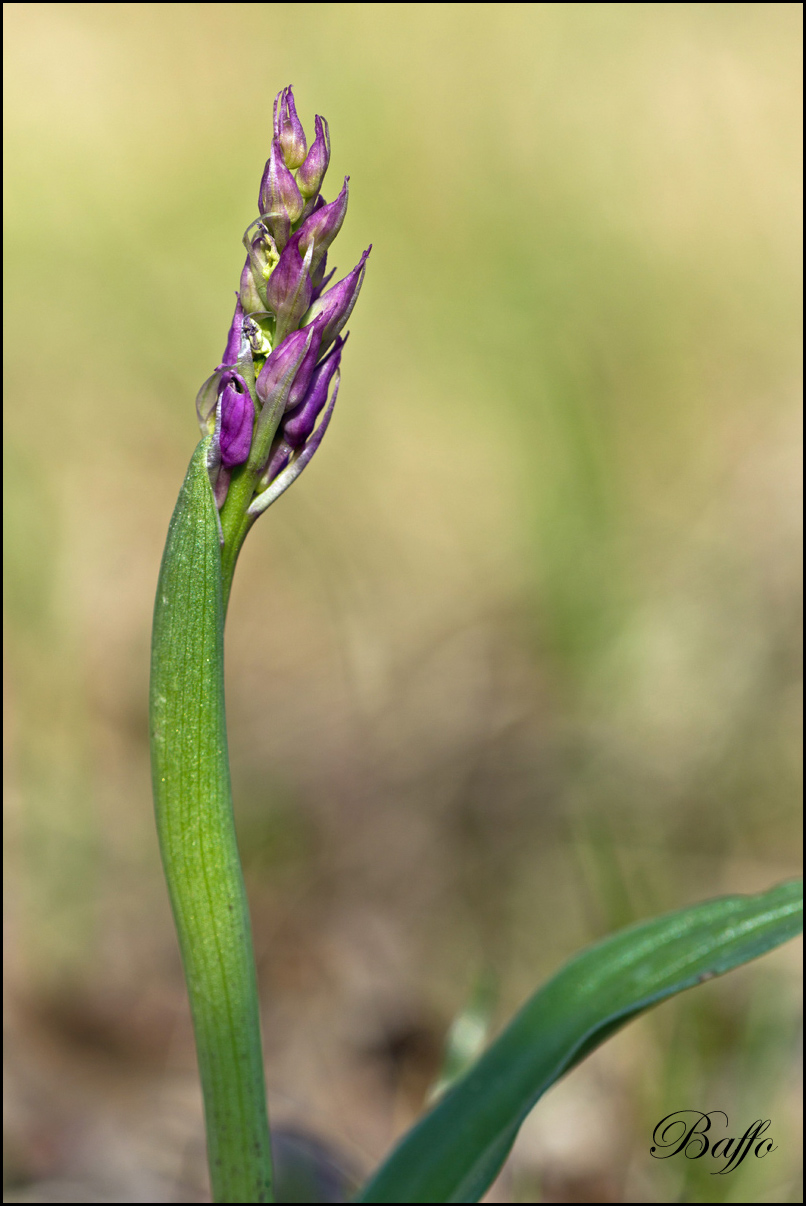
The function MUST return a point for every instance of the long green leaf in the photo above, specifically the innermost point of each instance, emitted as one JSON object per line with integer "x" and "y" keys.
{"x": 455, "y": 1152}
{"x": 193, "y": 805}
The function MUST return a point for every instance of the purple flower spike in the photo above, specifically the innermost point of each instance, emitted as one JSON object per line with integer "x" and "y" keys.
{"x": 266, "y": 407}
{"x": 288, "y": 129}
{"x": 298, "y": 426}
{"x": 280, "y": 200}
{"x": 237, "y": 416}
{"x": 336, "y": 306}
{"x": 290, "y": 290}
{"x": 312, "y": 172}
{"x": 321, "y": 228}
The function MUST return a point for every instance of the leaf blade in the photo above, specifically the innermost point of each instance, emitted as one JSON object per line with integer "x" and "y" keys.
{"x": 454, "y": 1153}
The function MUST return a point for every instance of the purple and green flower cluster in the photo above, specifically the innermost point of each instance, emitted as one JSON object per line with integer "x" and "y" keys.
{"x": 284, "y": 347}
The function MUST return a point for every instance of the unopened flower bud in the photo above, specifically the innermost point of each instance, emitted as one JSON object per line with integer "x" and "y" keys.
{"x": 262, "y": 257}
{"x": 288, "y": 369}
{"x": 299, "y": 425}
{"x": 236, "y": 352}
{"x": 318, "y": 278}
{"x": 288, "y": 129}
{"x": 235, "y": 337}
{"x": 302, "y": 380}
{"x": 281, "y": 454}
{"x": 289, "y": 291}
{"x": 280, "y": 200}
{"x": 237, "y": 419}
{"x": 335, "y": 307}
{"x": 221, "y": 486}
{"x": 271, "y": 490}
{"x": 312, "y": 172}
{"x": 249, "y": 294}
{"x": 322, "y": 226}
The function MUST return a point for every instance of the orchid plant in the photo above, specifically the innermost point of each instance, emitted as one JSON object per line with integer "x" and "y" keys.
{"x": 263, "y": 413}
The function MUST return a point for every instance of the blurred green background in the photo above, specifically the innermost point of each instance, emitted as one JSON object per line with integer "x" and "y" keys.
{"x": 516, "y": 663}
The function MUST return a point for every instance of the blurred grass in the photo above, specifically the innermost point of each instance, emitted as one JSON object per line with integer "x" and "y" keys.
{"x": 520, "y": 660}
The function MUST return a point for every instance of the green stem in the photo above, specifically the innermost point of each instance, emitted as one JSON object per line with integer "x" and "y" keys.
{"x": 193, "y": 804}
{"x": 235, "y": 523}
